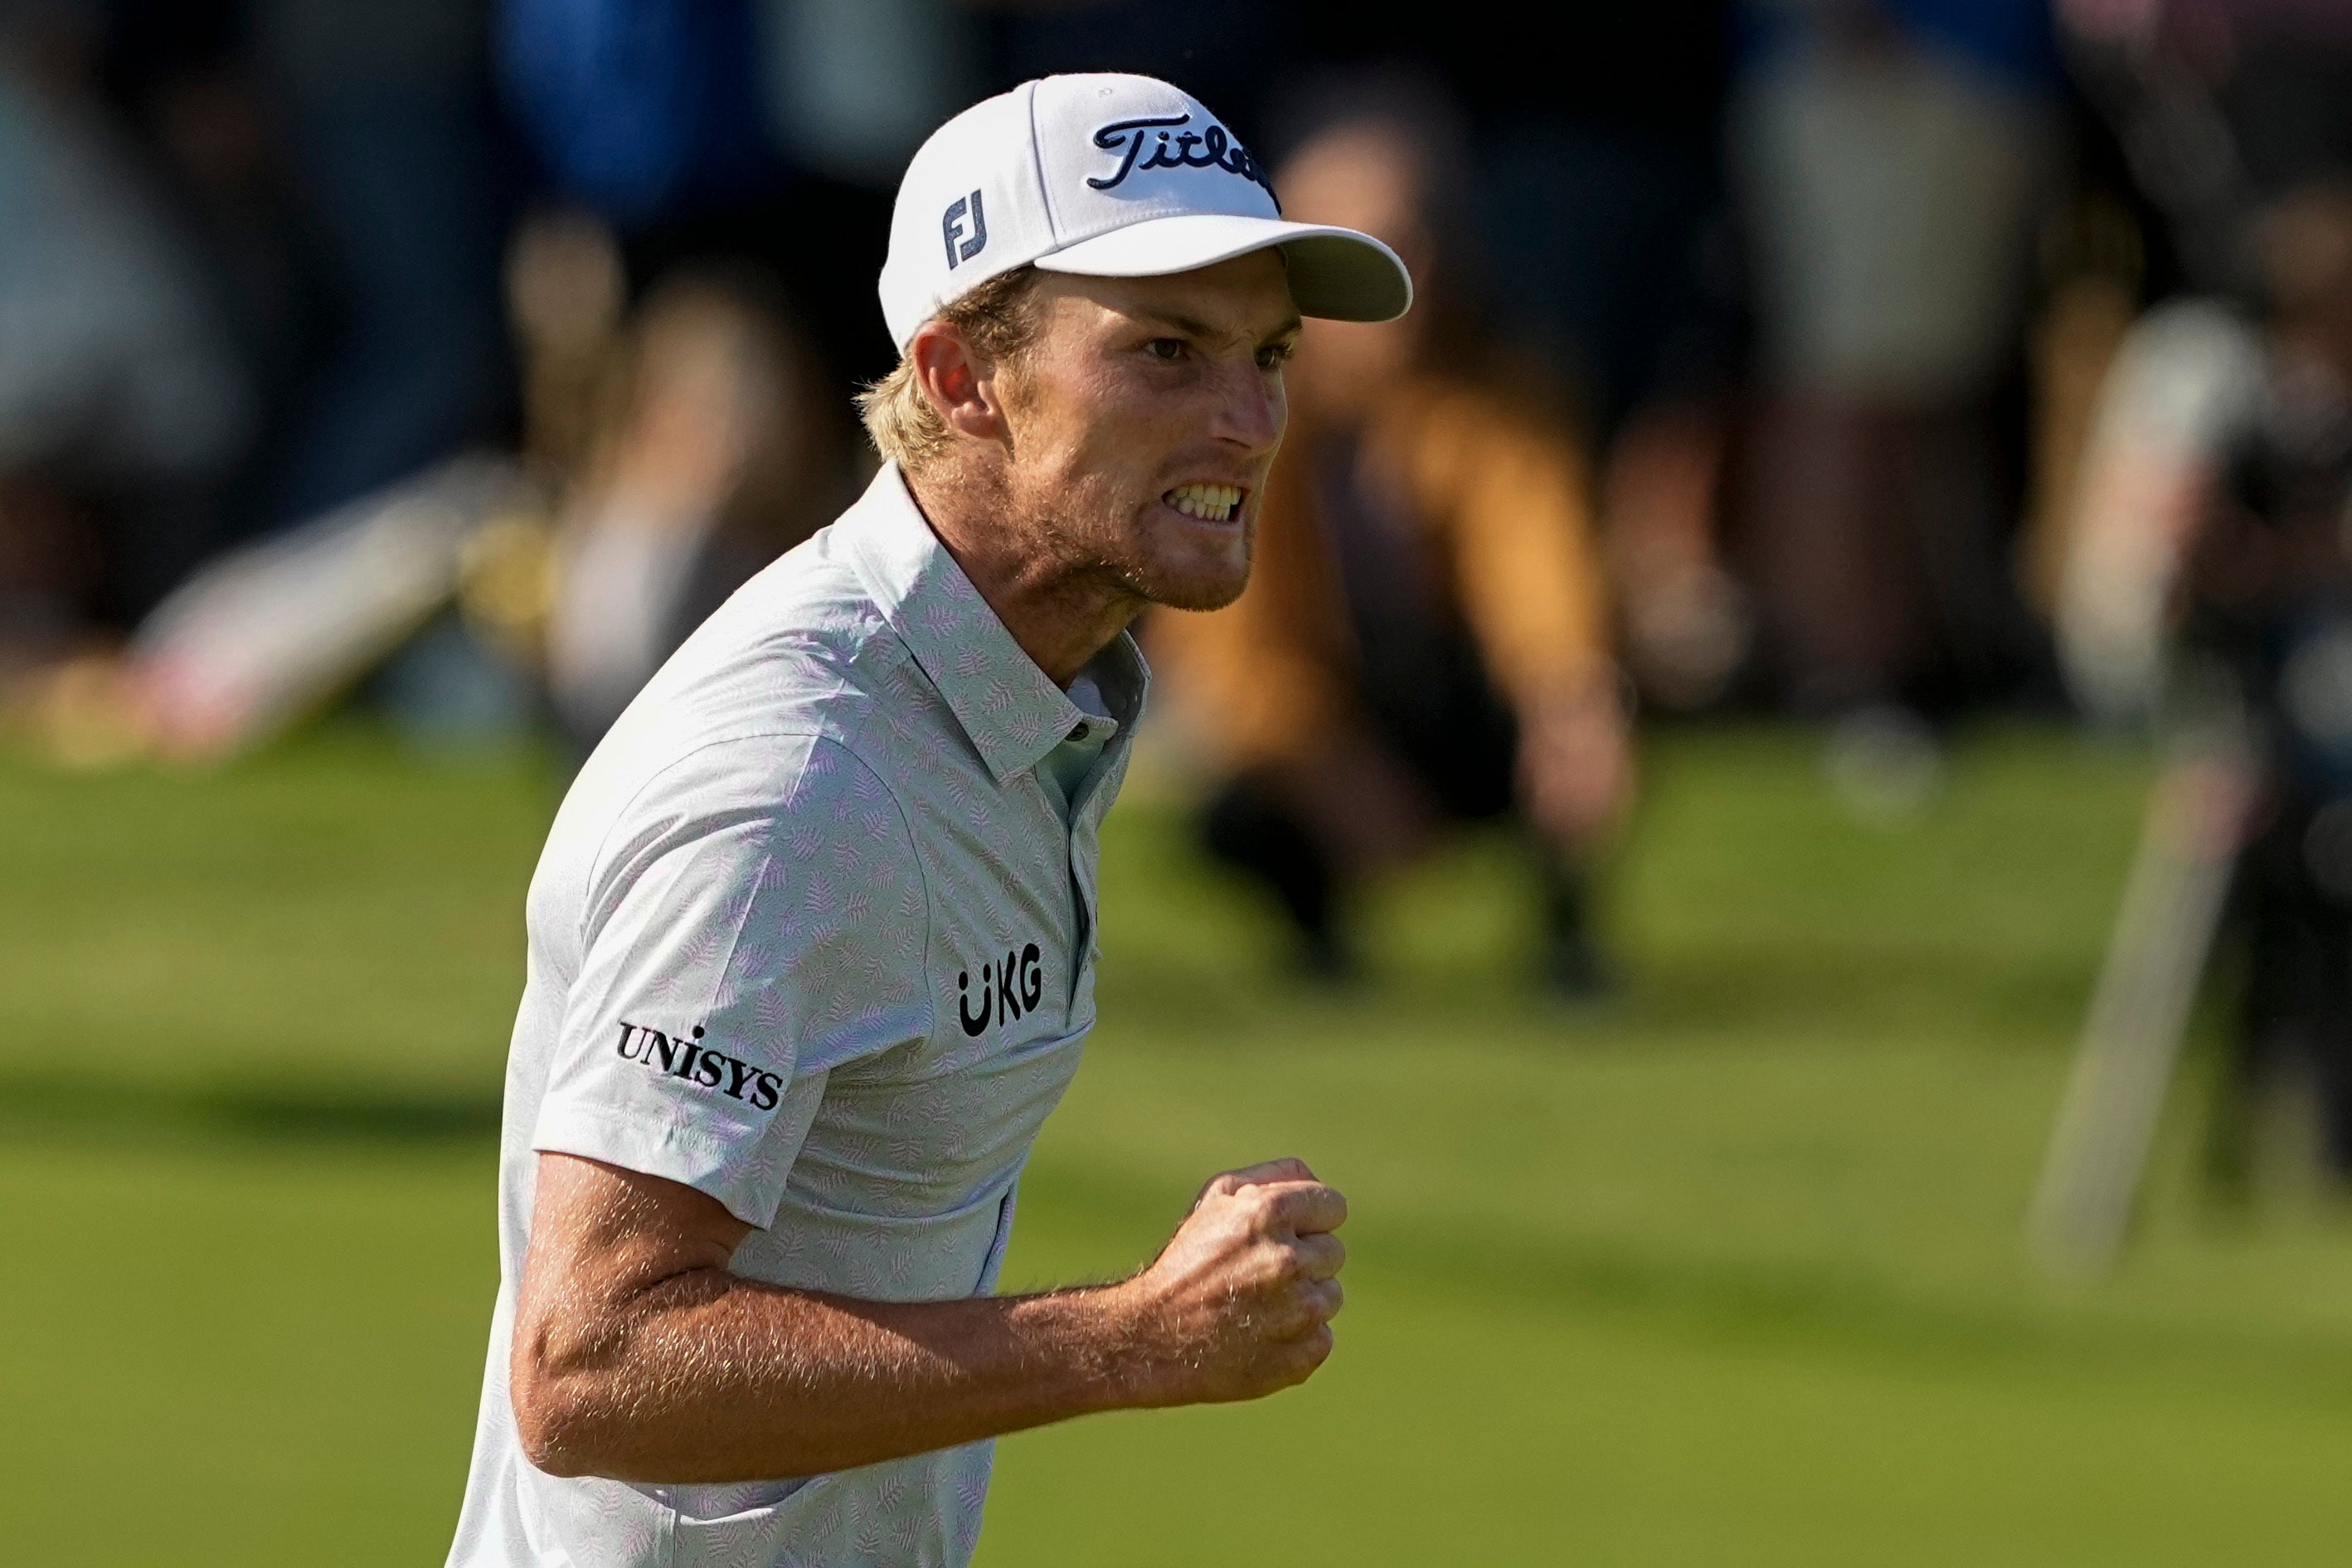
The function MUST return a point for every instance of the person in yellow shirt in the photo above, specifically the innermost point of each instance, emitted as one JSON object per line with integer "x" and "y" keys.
{"x": 1425, "y": 637}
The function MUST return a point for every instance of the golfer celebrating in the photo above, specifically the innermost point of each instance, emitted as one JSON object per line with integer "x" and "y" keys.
{"x": 812, "y": 939}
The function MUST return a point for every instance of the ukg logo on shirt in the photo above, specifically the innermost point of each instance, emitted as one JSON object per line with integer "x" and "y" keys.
{"x": 1008, "y": 986}
{"x": 696, "y": 1063}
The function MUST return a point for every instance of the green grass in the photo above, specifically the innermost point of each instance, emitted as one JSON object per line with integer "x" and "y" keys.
{"x": 1724, "y": 1273}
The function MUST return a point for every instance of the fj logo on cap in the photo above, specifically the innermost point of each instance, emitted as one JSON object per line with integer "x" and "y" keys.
{"x": 963, "y": 246}
{"x": 1209, "y": 149}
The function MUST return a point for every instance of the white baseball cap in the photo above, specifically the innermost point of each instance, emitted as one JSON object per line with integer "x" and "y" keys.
{"x": 1110, "y": 176}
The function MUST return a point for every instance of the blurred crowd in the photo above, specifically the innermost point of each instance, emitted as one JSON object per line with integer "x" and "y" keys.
{"x": 1878, "y": 361}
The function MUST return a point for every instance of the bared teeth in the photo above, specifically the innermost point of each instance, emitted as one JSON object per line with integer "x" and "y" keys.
{"x": 1209, "y": 503}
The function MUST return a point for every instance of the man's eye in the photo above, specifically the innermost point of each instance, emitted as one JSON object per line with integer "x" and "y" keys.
{"x": 1274, "y": 356}
{"x": 1165, "y": 347}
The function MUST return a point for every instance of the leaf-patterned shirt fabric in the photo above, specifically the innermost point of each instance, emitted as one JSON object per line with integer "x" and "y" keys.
{"x": 811, "y": 935}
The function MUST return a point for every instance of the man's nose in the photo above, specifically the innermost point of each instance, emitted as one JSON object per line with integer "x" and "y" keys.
{"x": 1251, "y": 408}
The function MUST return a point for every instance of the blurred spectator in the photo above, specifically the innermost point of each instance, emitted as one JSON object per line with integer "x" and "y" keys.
{"x": 768, "y": 133}
{"x": 190, "y": 83}
{"x": 1593, "y": 169}
{"x": 682, "y": 451}
{"x": 405, "y": 177}
{"x": 2271, "y": 587}
{"x": 565, "y": 296}
{"x": 1892, "y": 158}
{"x": 2263, "y": 586}
{"x": 716, "y": 455}
{"x": 2206, "y": 579}
{"x": 2232, "y": 115}
{"x": 122, "y": 400}
{"x": 2268, "y": 591}
{"x": 1423, "y": 639}
{"x": 1595, "y": 136}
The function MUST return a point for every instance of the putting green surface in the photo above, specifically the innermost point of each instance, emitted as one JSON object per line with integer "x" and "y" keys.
{"x": 1724, "y": 1274}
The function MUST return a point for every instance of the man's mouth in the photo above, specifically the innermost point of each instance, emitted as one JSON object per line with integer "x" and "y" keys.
{"x": 1209, "y": 503}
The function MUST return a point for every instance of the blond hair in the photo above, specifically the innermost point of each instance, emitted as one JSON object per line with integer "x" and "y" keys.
{"x": 998, "y": 319}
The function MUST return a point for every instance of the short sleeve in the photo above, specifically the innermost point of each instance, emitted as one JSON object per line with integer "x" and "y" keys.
{"x": 754, "y": 918}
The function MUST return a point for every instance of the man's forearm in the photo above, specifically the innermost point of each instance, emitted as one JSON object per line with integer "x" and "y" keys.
{"x": 638, "y": 1355}
{"x": 707, "y": 1376}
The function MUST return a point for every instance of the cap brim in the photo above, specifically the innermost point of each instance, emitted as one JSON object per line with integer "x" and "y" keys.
{"x": 1335, "y": 273}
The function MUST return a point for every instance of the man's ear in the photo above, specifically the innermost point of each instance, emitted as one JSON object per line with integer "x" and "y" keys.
{"x": 956, "y": 382}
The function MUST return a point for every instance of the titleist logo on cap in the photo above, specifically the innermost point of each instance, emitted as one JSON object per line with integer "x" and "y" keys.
{"x": 1212, "y": 148}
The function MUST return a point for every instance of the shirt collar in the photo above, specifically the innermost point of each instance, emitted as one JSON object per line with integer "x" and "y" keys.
{"x": 1011, "y": 711}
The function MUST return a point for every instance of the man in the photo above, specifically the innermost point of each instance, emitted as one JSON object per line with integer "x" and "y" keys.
{"x": 811, "y": 941}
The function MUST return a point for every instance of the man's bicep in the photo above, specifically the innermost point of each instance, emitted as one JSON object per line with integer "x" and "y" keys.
{"x": 601, "y": 1233}
{"x": 604, "y": 1241}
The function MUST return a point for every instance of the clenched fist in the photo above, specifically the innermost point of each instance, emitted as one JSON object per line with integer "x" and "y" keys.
{"x": 1240, "y": 1301}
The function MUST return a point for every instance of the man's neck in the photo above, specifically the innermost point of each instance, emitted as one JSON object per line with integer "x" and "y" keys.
{"x": 1061, "y": 617}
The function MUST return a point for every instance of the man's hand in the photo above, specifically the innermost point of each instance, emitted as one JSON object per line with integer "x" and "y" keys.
{"x": 1239, "y": 1303}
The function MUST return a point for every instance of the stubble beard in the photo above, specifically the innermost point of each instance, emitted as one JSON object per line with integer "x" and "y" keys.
{"x": 1097, "y": 547}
